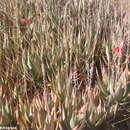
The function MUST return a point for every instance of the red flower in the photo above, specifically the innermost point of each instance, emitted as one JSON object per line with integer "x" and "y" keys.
{"x": 119, "y": 51}
{"x": 122, "y": 52}
{"x": 26, "y": 21}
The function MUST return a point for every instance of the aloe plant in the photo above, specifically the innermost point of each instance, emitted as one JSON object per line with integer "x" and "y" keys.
{"x": 63, "y": 64}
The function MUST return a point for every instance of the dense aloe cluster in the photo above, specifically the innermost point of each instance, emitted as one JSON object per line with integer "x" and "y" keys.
{"x": 64, "y": 64}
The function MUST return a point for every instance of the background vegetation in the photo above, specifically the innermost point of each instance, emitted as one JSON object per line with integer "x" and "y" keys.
{"x": 64, "y": 64}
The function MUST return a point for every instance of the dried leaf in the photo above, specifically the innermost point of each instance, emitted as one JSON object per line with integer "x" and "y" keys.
{"x": 99, "y": 122}
{"x": 72, "y": 121}
{"x": 47, "y": 127}
{"x": 82, "y": 111}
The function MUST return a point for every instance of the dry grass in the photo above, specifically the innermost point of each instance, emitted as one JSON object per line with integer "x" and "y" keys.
{"x": 64, "y": 64}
